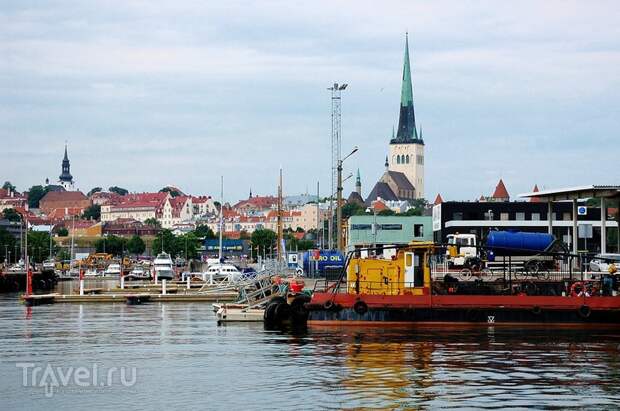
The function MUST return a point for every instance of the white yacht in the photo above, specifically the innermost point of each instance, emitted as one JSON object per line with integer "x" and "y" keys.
{"x": 113, "y": 270}
{"x": 49, "y": 265}
{"x": 223, "y": 272}
{"x": 137, "y": 273}
{"x": 163, "y": 267}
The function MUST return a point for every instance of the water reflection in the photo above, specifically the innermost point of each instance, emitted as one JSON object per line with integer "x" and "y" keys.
{"x": 474, "y": 367}
{"x": 185, "y": 360}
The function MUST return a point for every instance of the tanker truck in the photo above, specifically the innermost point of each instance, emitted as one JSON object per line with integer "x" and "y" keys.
{"x": 530, "y": 251}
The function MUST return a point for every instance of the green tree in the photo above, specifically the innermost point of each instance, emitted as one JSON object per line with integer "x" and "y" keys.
{"x": 187, "y": 246}
{"x": 352, "y": 209}
{"x": 386, "y": 212}
{"x": 63, "y": 255}
{"x": 136, "y": 245}
{"x": 152, "y": 222}
{"x": 112, "y": 244}
{"x": 35, "y": 194}
{"x": 92, "y": 213}
{"x": 62, "y": 232}
{"x": 8, "y": 186}
{"x": 12, "y": 215}
{"x": 39, "y": 245}
{"x": 118, "y": 190}
{"x": 7, "y": 243}
{"x": 173, "y": 192}
{"x": 203, "y": 231}
{"x": 94, "y": 190}
{"x": 165, "y": 241}
{"x": 263, "y": 238}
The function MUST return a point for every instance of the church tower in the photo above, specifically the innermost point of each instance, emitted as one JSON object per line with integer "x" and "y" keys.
{"x": 407, "y": 146}
{"x": 66, "y": 179}
{"x": 358, "y": 183}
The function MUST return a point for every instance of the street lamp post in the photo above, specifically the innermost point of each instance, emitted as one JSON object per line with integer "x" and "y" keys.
{"x": 339, "y": 200}
{"x": 374, "y": 229}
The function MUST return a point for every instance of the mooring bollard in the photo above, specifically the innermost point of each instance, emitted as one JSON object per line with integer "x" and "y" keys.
{"x": 81, "y": 287}
{"x": 187, "y": 279}
{"x": 163, "y": 286}
{"x": 122, "y": 282}
{"x": 155, "y": 277}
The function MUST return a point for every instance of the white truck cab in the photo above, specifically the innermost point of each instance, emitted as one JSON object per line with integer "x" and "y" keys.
{"x": 460, "y": 248}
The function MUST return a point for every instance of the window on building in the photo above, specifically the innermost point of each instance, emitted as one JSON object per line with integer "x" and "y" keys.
{"x": 418, "y": 230}
{"x": 535, "y": 216}
{"x": 504, "y": 216}
{"x": 407, "y": 159}
{"x": 457, "y": 216}
{"x": 520, "y": 216}
{"x": 420, "y": 159}
{"x": 488, "y": 215}
{"x": 361, "y": 226}
{"x": 391, "y": 226}
{"x": 398, "y": 159}
{"x": 566, "y": 217}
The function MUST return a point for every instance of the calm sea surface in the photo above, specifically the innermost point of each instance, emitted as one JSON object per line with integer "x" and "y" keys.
{"x": 174, "y": 356}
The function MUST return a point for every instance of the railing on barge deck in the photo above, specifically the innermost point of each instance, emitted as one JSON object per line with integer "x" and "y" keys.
{"x": 514, "y": 273}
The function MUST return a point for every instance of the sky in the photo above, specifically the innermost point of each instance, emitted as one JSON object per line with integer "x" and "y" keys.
{"x": 152, "y": 93}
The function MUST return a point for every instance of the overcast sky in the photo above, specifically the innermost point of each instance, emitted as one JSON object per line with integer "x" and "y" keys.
{"x": 151, "y": 93}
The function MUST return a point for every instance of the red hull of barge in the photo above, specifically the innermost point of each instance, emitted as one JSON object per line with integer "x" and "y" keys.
{"x": 343, "y": 309}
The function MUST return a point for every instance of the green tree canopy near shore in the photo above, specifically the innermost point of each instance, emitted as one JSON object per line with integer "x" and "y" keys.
{"x": 136, "y": 245}
{"x": 186, "y": 245}
{"x": 264, "y": 238}
{"x": 39, "y": 245}
{"x": 203, "y": 231}
{"x": 112, "y": 244}
{"x": 35, "y": 194}
{"x": 7, "y": 244}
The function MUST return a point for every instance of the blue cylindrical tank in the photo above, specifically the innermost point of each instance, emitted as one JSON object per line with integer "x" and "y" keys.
{"x": 518, "y": 242}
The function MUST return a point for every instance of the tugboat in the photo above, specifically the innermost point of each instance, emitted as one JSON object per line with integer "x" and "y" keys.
{"x": 401, "y": 290}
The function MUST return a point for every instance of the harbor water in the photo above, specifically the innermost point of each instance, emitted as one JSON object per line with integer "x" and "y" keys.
{"x": 175, "y": 356}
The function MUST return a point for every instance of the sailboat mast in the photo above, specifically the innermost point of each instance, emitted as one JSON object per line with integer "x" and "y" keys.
{"x": 221, "y": 215}
{"x": 280, "y": 235}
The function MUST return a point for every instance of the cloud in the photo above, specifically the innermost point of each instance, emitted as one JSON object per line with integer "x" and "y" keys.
{"x": 153, "y": 93}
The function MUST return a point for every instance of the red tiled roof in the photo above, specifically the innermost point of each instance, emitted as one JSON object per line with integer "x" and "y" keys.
{"x": 257, "y": 202}
{"x": 155, "y": 200}
{"x": 378, "y": 205}
{"x": 500, "y": 190}
{"x": 200, "y": 199}
{"x": 64, "y": 196}
{"x": 6, "y": 194}
{"x": 438, "y": 199}
{"x": 61, "y": 213}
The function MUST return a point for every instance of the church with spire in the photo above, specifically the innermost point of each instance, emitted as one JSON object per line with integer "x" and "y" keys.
{"x": 66, "y": 179}
{"x": 403, "y": 179}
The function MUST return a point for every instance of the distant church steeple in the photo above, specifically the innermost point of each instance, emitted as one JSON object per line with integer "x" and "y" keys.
{"x": 66, "y": 179}
{"x": 358, "y": 183}
{"x": 407, "y": 132}
{"x": 406, "y": 152}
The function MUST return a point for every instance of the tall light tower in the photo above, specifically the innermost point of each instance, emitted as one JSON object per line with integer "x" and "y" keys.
{"x": 336, "y": 140}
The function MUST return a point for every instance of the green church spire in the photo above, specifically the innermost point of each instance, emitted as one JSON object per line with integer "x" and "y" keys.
{"x": 407, "y": 132}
